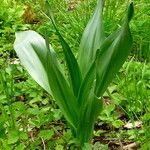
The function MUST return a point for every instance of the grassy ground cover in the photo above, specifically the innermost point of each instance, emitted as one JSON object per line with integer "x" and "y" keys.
{"x": 30, "y": 119}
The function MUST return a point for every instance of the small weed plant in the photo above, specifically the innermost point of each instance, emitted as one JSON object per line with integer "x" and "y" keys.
{"x": 78, "y": 92}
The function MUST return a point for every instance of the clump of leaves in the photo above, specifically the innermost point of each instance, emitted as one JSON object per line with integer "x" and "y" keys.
{"x": 99, "y": 59}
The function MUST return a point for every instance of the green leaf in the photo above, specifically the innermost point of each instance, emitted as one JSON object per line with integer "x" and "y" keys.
{"x": 91, "y": 40}
{"x": 46, "y": 134}
{"x": 72, "y": 65}
{"x": 73, "y": 68}
{"x": 90, "y": 106}
{"x": 29, "y": 58}
{"x": 87, "y": 146}
{"x": 59, "y": 147}
{"x": 20, "y": 147}
{"x": 96, "y": 146}
{"x": 23, "y": 135}
{"x": 117, "y": 123}
{"x": 88, "y": 114}
{"x": 112, "y": 54}
{"x": 41, "y": 62}
{"x": 104, "y": 147}
{"x": 88, "y": 117}
{"x": 86, "y": 86}
{"x": 13, "y": 136}
{"x": 2, "y": 131}
{"x": 19, "y": 109}
{"x": 61, "y": 90}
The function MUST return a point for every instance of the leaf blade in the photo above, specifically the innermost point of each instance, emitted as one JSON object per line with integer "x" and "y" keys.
{"x": 91, "y": 40}
{"x": 90, "y": 106}
{"x": 88, "y": 115}
{"x": 32, "y": 51}
{"x": 38, "y": 74}
{"x": 72, "y": 64}
{"x": 115, "y": 48}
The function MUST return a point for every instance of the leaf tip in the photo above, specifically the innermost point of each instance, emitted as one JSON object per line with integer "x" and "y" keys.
{"x": 130, "y": 11}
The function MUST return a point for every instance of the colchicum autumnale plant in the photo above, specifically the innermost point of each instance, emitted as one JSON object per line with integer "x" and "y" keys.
{"x": 99, "y": 59}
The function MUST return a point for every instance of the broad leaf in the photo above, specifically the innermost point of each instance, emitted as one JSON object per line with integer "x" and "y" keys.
{"x": 41, "y": 62}
{"x": 28, "y": 56}
{"x": 112, "y": 54}
{"x": 91, "y": 40}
